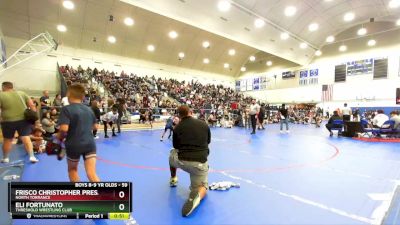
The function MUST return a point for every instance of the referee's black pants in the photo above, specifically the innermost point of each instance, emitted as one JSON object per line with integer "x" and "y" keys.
{"x": 253, "y": 122}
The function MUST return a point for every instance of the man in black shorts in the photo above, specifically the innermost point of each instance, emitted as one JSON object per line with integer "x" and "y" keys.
{"x": 77, "y": 122}
{"x": 12, "y": 105}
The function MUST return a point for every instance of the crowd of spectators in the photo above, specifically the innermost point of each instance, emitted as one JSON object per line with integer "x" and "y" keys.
{"x": 149, "y": 92}
{"x": 216, "y": 104}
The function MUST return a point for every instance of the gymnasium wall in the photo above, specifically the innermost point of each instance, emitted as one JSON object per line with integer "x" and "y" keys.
{"x": 355, "y": 87}
{"x": 41, "y": 71}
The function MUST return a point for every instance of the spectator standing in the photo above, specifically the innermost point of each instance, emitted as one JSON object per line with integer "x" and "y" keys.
{"x": 261, "y": 116}
{"x": 97, "y": 114}
{"x": 13, "y": 104}
{"x": 121, "y": 109}
{"x": 346, "y": 112}
{"x": 283, "y": 111}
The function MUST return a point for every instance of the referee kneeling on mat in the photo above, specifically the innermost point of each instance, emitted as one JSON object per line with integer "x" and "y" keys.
{"x": 190, "y": 140}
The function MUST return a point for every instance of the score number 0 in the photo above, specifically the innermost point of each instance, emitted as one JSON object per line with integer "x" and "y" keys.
{"x": 121, "y": 206}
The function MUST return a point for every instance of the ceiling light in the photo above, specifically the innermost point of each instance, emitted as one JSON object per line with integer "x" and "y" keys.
{"x": 398, "y": 22}
{"x": 343, "y": 48}
{"x": 150, "y": 48}
{"x": 269, "y": 63}
{"x": 362, "y": 31}
{"x": 181, "y": 55}
{"x": 206, "y": 44}
{"x": 318, "y": 53}
{"x": 259, "y": 23}
{"x": 348, "y": 16}
{"x": 226, "y": 65}
{"x": 111, "y": 39}
{"x": 224, "y": 6}
{"x": 290, "y": 11}
{"x": 129, "y": 21}
{"x": 330, "y": 39}
{"x": 394, "y": 4}
{"x": 173, "y": 34}
{"x": 231, "y": 52}
{"x": 284, "y": 36}
{"x": 303, "y": 45}
{"x": 252, "y": 58}
{"x": 243, "y": 69}
{"x": 371, "y": 42}
{"x": 61, "y": 28}
{"x": 68, "y": 4}
{"x": 206, "y": 61}
{"x": 313, "y": 27}
{"x": 328, "y": 0}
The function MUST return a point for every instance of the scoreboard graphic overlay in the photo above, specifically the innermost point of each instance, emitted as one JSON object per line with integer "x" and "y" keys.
{"x": 62, "y": 200}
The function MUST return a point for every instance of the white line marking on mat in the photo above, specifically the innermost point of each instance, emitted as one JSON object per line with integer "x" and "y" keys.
{"x": 303, "y": 200}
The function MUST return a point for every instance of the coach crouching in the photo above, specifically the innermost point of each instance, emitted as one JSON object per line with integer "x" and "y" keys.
{"x": 190, "y": 140}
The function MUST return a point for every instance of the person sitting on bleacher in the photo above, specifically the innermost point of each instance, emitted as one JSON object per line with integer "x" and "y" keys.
{"x": 379, "y": 119}
{"x": 394, "y": 115}
{"x": 330, "y": 124}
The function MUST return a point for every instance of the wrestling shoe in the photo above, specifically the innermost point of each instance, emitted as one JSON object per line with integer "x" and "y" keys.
{"x": 96, "y": 137}
{"x": 190, "y": 204}
{"x": 287, "y": 131}
{"x": 173, "y": 182}
{"x": 33, "y": 159}
{"x": 281, "y": 131}
{"x": 106, "y": 136}
{"x": 5, "y": 160}
{"x": 114, "y": 135}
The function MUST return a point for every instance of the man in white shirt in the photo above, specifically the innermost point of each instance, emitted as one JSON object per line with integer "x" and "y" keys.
{"x": 254, "y": 110}
{"x": 110, "y": 119}
{"x": 346, "y": 112}
{"x": 379, "y": 119}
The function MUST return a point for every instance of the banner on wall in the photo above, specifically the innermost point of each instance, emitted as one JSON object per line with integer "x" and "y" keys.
{"x": 398, "y": 96}
{"x": 263, "y": 82}
{"x": 243, "y": 85}
{"x": 313, "y": 76}
{"x": 256, "y": 84}
{"x": 303, "y": 77}
{"x": 237, "y": 85}
{"x": 249, "y": 84}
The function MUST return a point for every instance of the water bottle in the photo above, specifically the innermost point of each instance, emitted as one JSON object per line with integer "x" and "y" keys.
{"x": 11, "y": 177}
